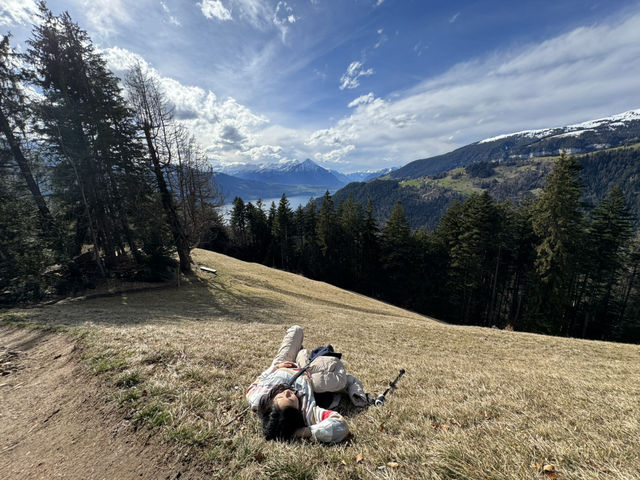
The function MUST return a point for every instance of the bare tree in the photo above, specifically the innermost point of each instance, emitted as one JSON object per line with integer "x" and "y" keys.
{"x": 195, "y": 189}
{"x": 155, "y": 118}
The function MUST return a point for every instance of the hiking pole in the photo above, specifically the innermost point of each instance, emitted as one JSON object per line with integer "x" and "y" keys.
{"x": 392, "y": 385}
{"x": 236, "y": 417}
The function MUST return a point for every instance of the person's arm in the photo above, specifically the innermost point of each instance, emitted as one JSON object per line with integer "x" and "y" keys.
{"x": 255, "y": 391}
{"x": 286, "y": 365}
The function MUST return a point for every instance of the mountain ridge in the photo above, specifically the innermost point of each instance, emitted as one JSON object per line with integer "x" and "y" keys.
{"x": 616, "y": 130}
{"x": 291, "y": 178}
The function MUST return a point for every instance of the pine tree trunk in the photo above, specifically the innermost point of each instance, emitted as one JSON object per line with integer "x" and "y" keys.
{"x": 492, "y": 303}
{"x": 122, "y": 214}
{"x": 92, "y": 230}
{"x": 170, "y": 211}
{"x": 45, "y": 215}
{"x": 627, "y": 293}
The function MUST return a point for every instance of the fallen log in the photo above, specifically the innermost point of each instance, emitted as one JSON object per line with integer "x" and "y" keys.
{"x": 208, "y": 270}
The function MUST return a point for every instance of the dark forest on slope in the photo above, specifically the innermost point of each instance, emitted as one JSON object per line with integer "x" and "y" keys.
{"x": 552, "y": 264}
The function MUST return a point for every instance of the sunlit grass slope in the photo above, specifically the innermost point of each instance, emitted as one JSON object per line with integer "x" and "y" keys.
{"x": 475, "y": 403}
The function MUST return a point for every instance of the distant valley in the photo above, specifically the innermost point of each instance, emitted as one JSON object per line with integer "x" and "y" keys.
{"x": 251, "y": 182}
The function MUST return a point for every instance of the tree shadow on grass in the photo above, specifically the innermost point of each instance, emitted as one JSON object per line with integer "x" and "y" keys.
{"x": 197, "y": 299}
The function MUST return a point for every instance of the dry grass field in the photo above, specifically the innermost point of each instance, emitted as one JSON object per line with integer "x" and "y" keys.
{"x": 475, "y": 403}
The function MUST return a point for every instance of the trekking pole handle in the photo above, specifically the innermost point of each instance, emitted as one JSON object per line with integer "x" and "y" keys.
{"x": 393, "y": 384}
{"x": 381, "y": 398}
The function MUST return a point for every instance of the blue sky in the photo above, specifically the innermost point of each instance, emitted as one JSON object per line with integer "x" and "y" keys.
{"x": 366, "y": 84}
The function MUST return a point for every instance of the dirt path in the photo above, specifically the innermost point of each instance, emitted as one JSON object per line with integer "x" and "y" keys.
{"x": 54, "y": 422}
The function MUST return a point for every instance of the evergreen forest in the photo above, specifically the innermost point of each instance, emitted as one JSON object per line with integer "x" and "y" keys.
{"x": 551, "y": 264}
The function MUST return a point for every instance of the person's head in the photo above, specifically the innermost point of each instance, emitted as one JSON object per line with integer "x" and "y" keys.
{"x": 280, "y": 412}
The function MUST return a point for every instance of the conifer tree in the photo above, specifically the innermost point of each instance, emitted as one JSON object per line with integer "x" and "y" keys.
{"x": 328, "y": 237}
{"x": 23, "y": 243}
{"x": 558, "y": 221}
{"x": 238, "y": 222}
{"x": 13, "y": 118}
{"x": 396, "y": 256}
{"x": 326, "y": 225}
{"x": 351, "y": 221}
{"x": 272, "y": 255}
{"x": 370, "y": 252}
{"x": 449, "y": 228}
{"x": 473, "y": 257}
{"x": 259, "y": 232}
{"x": 627, "y": 326}
{"x": 309, "y": 255}
{"x": 89, "y": 132}
{"x": 608, "y": 236}
{"x": 283, "y": 232}
{"x": 521, "y": 250}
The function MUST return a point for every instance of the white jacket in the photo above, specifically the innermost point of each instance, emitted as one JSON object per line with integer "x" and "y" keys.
{"x": 325, "y": 425}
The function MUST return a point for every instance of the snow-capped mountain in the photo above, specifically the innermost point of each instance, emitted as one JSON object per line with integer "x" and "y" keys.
{"x": 306, "y": 172}
{"x": 291, "y": 178}
{"x": 363, "y": 176}
{"x": 576, "y": 130}
{"x": 290, "y": 173}
{"x": 272, "y": 180}
{"x": 614, "y": 131}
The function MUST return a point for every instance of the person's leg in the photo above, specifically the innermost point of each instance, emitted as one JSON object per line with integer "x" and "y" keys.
{"x": 302, "y": 358}
{"x": 291, "y": 344}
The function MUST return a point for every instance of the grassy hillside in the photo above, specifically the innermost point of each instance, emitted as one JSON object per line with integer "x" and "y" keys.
{"x": 475, "y": 403}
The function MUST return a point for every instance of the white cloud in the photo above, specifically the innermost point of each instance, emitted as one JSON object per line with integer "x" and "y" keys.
{"x": 351, "y": 78}
{"x": 283, "y": 17}
{"x": 332, "y": 137}
{"x": 104, "y": 16}
{"x": 228, "y": 131}
{"x": 214, "y": 9}
{"x": 264, "y": 153}
{"x": 362, "y": 100}
{"x": 18, "y": 12}
{"x": 588, "y": 73}
{"x": 172, "y": 19}
{"x": 257, "y": 12}
{"x": 260, "y": 14}
{"x": 335, "y": 156}
{"x": 379, "y": 2}
{"x": 120, "y": 60}
{"x": 419, "y": 48}
{"x": 382, "y": 40}
{"x": 454, "y": 18}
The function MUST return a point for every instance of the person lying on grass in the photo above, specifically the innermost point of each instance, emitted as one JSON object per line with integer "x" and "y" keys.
{"x": 289, "y": 412}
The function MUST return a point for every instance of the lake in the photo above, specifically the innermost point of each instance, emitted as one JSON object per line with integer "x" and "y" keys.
{"x": 294, "y": 202}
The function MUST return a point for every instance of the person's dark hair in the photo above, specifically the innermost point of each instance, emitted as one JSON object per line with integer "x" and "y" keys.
{"x": 278, "y": 424}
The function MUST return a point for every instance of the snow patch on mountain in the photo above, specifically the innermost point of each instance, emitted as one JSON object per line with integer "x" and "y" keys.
{"x": 573, "y": 130}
